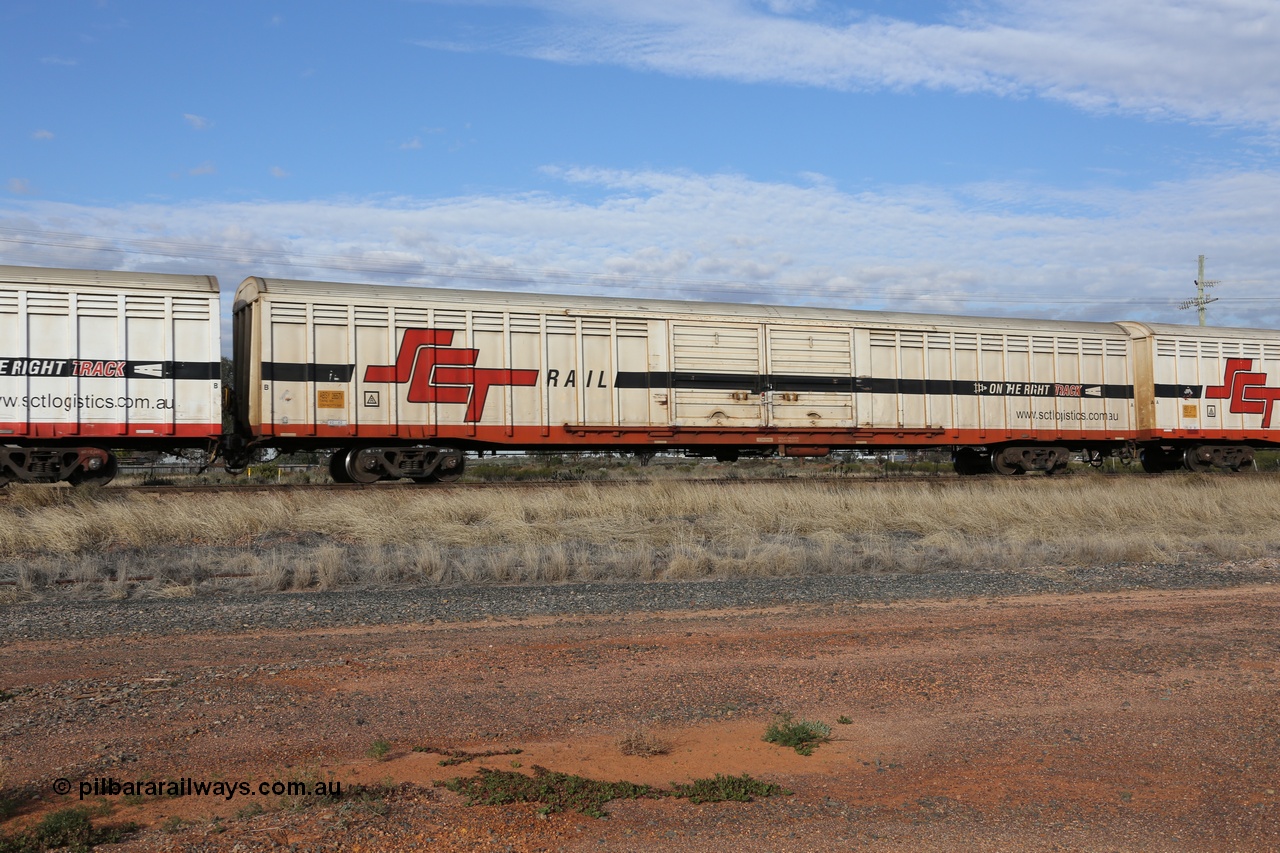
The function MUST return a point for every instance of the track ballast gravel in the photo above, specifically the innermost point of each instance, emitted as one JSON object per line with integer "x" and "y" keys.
{"x": 69, "y": 619}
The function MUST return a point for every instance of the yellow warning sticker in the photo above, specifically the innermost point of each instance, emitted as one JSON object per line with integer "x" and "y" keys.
{"x": 331, "y": 399}
{"x": 1189, "y": 410}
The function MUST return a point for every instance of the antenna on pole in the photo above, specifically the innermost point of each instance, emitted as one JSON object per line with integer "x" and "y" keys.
{"x": 1201, "y": 299}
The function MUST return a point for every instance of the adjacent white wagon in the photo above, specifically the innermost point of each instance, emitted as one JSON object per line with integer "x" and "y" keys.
{"x": 91, "y": 361}
{"x": 1206, "y": 396}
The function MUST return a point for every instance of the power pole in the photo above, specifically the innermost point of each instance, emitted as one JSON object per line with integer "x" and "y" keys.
{"x": 1201, "y": 299}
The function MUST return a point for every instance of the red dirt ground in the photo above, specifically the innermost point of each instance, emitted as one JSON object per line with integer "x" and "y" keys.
{"x": 1120, "y": 721}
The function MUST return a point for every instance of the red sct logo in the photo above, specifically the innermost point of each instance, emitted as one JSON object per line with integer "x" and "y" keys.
{"x": 439, "y": 375}
{"x": 1247, "y": 391}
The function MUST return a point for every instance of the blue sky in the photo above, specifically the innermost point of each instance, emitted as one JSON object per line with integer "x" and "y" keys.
{"x": 990, "y": 157}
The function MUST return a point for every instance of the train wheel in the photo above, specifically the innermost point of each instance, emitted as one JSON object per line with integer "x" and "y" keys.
{"x": 453, "y": 474}
{"x": 1153, "y": 460}
{"x": 101, "y": 477}
{"x": 338, "y": 467}
{"x": 457, "y": 465}
{"x": 1198, "y": 459}
{"x": 363, "y": 469}
{"x": 1002, "y": 464}
{"x": 1244, "y": 461}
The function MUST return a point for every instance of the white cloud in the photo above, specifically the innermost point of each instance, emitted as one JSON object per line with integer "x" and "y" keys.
{"x": 1186, "y": 59}
{"x": 412, "y": 145}
{"x": 42, "y": 135}
{"x": 789, "y": 7}
{"x": 979, "y": 249}
{"x": 277, "y": 172}
{"x": 20, "y": 186}
{"x": 198, "y": 122}
{"x": 205, "y": 168}
{"x": 59, "y": 60}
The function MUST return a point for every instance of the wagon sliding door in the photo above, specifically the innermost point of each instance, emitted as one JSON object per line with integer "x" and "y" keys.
{"x": 716, "y": 374}
{"x": 811, "y": 373}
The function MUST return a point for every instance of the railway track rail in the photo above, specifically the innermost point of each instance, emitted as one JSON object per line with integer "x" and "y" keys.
{"x": 247, "y": 488}
{"x": 935, "y": 480}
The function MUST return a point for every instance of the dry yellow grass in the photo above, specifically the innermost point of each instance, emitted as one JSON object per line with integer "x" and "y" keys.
{"x": 646, "y": 531}
{"x": 643, "y": 743}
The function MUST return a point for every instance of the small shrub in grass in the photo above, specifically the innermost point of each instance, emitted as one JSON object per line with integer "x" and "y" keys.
{"x": 643, "y": 743}
{"x": 803, "y": 735}
{"x": 252, "y": 810}
{"x": 379, "y": 750}
{"x": 560, "y": 791}
{"x": 461, "y": 756}
{"x": 66, "y": 829}
{"x": 366, "y": 801}
{"x": 556, "y": 791}
{"x": 319, "y": 790}
{"x": 8, "y": 803}
{"x": 173, "y": 825}
{"x": 720, "y": 788}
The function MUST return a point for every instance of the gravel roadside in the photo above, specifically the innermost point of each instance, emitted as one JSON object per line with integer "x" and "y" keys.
{"x": 66, "y": 618}
{"x": 1119, "y": 707}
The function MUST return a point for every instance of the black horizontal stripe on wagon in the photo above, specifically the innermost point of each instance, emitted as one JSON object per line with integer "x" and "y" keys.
{"x": 867, "y": 385}
{"x": 757, "y": 383}
{"x": 1181, "y": 392}
{"x": 109, "y": 368}
{"x": 284, "y": 371}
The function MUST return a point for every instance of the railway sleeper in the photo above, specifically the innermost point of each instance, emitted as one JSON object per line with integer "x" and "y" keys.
{"x": 420, "y": 464}
{"x": 76, "y": 465}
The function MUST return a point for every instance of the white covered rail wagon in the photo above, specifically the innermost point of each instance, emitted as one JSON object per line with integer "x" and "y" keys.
{"x": 405, "y": 379}
{"x": 91, "y": 361}
{"x": 403, "y": 382}
{"x": 1205, "y": 397}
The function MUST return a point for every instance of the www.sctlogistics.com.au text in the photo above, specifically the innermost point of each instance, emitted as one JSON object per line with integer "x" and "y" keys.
{"x": 189, "y": 787}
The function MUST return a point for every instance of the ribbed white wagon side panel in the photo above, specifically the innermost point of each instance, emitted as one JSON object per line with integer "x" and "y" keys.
{"x": 100, "y": 355}
{"x": 409, "y": 364}
{"x": 1213, "y": 383}
{"x": 347, "y": 363}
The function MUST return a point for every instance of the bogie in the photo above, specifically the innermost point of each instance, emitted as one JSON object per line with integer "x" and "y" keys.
{"x": 1198, "y": 458}
{"x": 1207, "y": 457}
{"x": 423, "y": 465}
{"x": 75, "y": 465}
{"x": 1019, "y": 459}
